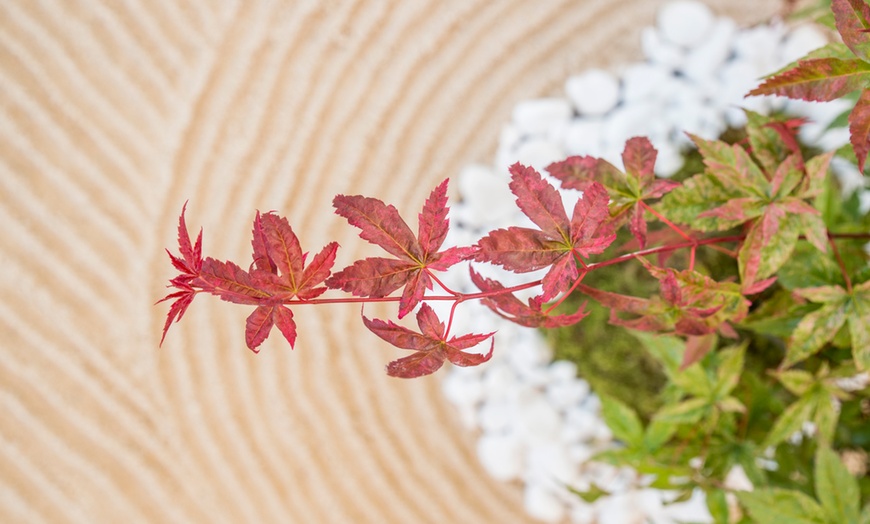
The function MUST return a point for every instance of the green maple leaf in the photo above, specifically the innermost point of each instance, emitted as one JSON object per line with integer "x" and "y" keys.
{"x": 840, "y": 306}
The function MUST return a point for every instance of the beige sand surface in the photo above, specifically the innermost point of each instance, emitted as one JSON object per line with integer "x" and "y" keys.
{"x": 116, "y": 112}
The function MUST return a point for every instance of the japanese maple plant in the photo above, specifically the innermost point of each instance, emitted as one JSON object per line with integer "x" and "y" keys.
{"x": 756, "y": 358}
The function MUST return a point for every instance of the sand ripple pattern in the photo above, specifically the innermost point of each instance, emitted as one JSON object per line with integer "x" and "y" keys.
{"x": 114, "y": 114}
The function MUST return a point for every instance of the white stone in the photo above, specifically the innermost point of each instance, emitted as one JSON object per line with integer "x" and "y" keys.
{"x": 537, "y": 420}
{"x": 759, "y": 46}
{"x": 583, "y": 136}
{"x": 534, "y": 117}
{"x": 498, "y": 381}
{"x": 538, "y": 153}
{"x": 461, "y": 389}
{"x": 626, "y": 122}
{"x": 643, "y": 81}
{"x": 564, "y": 395}
{"x": 703, "y": 61}
{"x": 501, "y": 455}
{"x": 543, "y": 504}
{"x": 660, "y": 51}
{"x": 594, "y": 92}
{"x": 582, "y": 513}
{"x": 488, "y": 195}
{"x": 562, "y": 371}
{"x": 495, "y": 416}
{"x": 550, "y": 464}
{"x": 800, "y": 41}
{"x": 685, "y": 23}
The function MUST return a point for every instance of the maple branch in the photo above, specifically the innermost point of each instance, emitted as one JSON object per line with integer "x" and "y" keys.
{"x": 565, "y": 295}
{"x": 443, "y": 286}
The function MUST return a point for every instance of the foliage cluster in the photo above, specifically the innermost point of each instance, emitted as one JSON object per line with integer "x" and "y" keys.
{"x": 755, "y": 358}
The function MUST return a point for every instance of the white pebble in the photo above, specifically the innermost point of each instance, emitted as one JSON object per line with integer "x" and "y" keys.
{"x": 626, "y": 122}
{"x": 660, "y": 51}
{"x": 460, "y": 389}
{"x": 563, "y": 371}
{"x": 543, "y": 504}
{"x": 538, "y": 153}
{"x": 488, "y": 195}
{"x": 534, "y": 117}
{"x": 594, "y": 92}
{"x": 704, "y": 60}
{"x": 643, "y": 80}
{"x": 498, "y": 381}
{"x": 501, "y": 455}
{"x": 669, "y": 159}
{"x": 550, "y": 464}
{"x": 583, "y": 136}
{"x": 495, "y": 416}
{"x": 563, "y": 395}
{"x": 685, "y": 23}
{"x": 537, "y": 420}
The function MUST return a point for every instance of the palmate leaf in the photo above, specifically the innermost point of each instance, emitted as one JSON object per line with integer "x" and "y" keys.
{"x": 859, "y": 128}
{"x": 839, "y": 308}
{"x": 415, "y": 256}
{"x": 627, "y": 190}
{"x": 558, "y": 241}
{"x": 278, "y": 274}
{"x": 430, "y": 345}
{"x": 189, "y": 264}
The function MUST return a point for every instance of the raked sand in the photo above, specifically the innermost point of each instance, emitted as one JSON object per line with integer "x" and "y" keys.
{"x": 116, "y": 113}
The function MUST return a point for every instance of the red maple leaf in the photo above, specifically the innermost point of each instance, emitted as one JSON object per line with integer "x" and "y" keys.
{"x": 189, "y": 264}
{"x": 628, "y": 190}
{"x": 508, "y": 306}
{"x": 559, "y": 239}
{"x": 415, "y": 256}
{"x": 277, "y": 275}
{"x": 430, "y": 345}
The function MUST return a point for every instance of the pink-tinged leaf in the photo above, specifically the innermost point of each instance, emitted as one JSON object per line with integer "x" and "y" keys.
{"x": 736, "y": 211}
{"x": 577, "y": 172}
{"x": 859, "y": 128}
{"x": 822, "y": 294}
{"x": 463, "y": 359}
{"x": 816, "y": 173}
{"x": 317, "y": 271}
{"x": 230, "y": 282}
{"x": 671, "y": 289}
{"x": 818, "y": 80}
{"x": 814, "y": 331}
{"x": 637, "y": 225}
{"x": 539, "y": 201}
{"x": 617, "y": 301}
{"x": 796, "y": 206}
{"x": 508, "y": 306}
{"x": 519, "y": 249}
{"x": 768, "y": 244}
{"x": 258, "y": 326}
{"x": 284, "y": 320}
{"x": 262, "y": 260}
{"x": 639, "y": 158}
{"x": 561, "y": 275}
{"x": 852, "y": 18}
{"x": 697, "y": 347}
{"x": 372, "y": 277}
{"x": 177, "y": 309}
{"x": 660, "y": 187}
{"x": 787, "y": 176}
{"x": 380, "y": 224}
{"x": 787, "y": 131}
{"x": 816, "y": 231}
{"x": 433, "y": 223}
{"x": 759, "y": 286}
{"x": 414, "y": 291}
{"x": 192, "y": 254}
{"x": 650, "y": 323}
{"x": 283, "y": 248}
{"x": 446, "y": 259}
{"x": 431, "y": 349}
{"x": 591, "y": 233}
{"x": 732, "y": 166}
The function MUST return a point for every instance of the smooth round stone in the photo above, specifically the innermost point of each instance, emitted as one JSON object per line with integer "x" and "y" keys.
{"x": 536, "y": 116}
{"x": 594, "y": 92}
{"x": 660, "y": 51}
{"x": 642, "y": 81}
{"x": 685, "y": 23}
{"x": 564, "y": 395}
{"x": 462, "y": 389}
{"x": 704, "y": 60}
{"x": 543, "y": 504}
{"x": 583, "y": 136}
{"x": 538, "y": 153}
{"x": 582, "y": 513}
{"x": 626, "y": 122}
{"x": 550, "y": 463}
{"x": 562, "y": 371}
{"x": 800, "y": 41}
{"x": 498, "y": 381}
{"x": 501, "y": 455}
{"x": 495, "y": 416}
{"x": 669, "y": 160}
{"x": 488, "y": 195}
{"x": 537, "y": 420}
